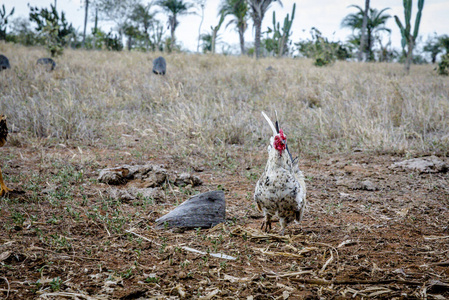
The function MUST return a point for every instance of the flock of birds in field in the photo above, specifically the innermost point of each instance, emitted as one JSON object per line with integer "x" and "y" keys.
{"x": 280, "y": 191}
{"x": 159, "y": 64}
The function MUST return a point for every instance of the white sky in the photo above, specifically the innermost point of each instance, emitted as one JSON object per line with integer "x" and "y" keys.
{"x": 325, "y": 15}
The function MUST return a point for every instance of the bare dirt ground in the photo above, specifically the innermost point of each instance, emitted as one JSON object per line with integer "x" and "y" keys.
{"x": 369, "y": 231}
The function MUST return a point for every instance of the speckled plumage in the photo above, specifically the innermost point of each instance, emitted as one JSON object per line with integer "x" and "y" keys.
{"x": 281, "y": 190}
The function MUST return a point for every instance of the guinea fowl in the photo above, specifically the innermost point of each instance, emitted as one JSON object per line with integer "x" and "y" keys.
{"x": 3, "y": 135}
{"x": 281, "y": 190}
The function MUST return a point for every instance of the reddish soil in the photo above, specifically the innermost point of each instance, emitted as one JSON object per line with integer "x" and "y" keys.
{"x": 369, "y": 231}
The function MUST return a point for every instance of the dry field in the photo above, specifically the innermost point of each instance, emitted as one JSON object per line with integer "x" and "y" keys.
{"x": 370, "y": 230}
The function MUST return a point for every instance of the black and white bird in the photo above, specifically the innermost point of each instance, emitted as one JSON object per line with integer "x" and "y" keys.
{"x": 281, "y": 190}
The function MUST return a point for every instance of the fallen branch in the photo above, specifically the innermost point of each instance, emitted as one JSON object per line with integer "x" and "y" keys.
{"x": 290, "y": 274}
{"x": 70, "y": 295}
{"x": 434, "y": 237}
{"x": 218, "y": 255}
{"x": 318, "y": 281}
{"x": 327, "y": 262}
{"x": 9, "y": 288}
{"x": 143, "y": 238}
{"x": 286, "y": 254}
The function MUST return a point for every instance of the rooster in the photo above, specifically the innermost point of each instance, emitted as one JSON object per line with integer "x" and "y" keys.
{"x": 3, "y": 135}
{"x": 281, "y": 190}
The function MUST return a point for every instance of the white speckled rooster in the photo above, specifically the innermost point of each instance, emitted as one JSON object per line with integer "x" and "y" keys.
{"x": 281, "y": 190}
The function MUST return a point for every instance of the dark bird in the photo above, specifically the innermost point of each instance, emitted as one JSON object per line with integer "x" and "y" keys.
{"x": 4, "y": 63}
{"x": 48, "y": 62}
{"x": 159, "y": 66}
{"x": 281, "y": 190}
{"x": 3, "y": 135}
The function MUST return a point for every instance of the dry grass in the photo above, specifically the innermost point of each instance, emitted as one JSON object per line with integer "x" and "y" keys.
{"x": 210, "y": 103}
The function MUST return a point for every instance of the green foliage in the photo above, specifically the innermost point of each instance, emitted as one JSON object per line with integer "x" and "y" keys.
{"x": 321, "y": 50}
{"x": 433, "y": 47}
{"x": 280, "y": 40}
{"x": 4, "y": 21}
{"x": 56, "y": 30}
{"x": 55, "y": 284}
{"x": 112, "y": 42}
{"x": 444, "y": 42}
{"x": 443, "y": 65}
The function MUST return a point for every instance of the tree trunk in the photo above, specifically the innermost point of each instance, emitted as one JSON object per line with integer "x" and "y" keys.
{"x": 94, "y": 46}
{"x": 172, "y": 31}
{"x": 369, "y": 45}
{"x": 86, "y": 9}
{"x": 242, "y": 41}
{"x": 408, "y": 60}
{"x": 258, "y": 25}
{"x": 214, "y": 37}
{"x": 130, "y": 42}
{"x": 363, "y": 35}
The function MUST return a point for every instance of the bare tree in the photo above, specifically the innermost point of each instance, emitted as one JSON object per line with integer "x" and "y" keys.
{"x": 86, "y": 10}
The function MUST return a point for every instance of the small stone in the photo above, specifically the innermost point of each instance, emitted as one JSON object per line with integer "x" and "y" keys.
{"x": 368, "y": 185}
{"x": 186, "y": 179}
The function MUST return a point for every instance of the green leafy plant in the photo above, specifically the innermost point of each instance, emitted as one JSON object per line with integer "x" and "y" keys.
{"x": 55, "y": 284}
{"x": 54, "y": 27}
{"x": 443, "y": 65}
{"x": 321, "y": 50}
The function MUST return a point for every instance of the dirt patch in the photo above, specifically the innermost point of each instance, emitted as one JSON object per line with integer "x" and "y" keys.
{"x": 369, "y": 231}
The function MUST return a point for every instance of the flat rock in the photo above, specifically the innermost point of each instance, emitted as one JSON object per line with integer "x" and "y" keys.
{"x": 186, "y": 179}
{"x": 428, "y": 164}
{"x": 153, "y": 175}
{"x": 204, "y": 210}
{"x": 131, "y": 194}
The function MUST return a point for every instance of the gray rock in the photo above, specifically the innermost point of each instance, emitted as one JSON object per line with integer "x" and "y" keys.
{"x": 428, "y": 164}
{"x": 48, "y": 62}
{"x": 159, "y": 66}
{"x": 4, "y": 63}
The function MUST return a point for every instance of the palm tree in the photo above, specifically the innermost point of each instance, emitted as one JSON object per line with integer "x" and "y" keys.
{"x": 143, "y": 18}
{"x": 375, "y": 23}
{"x": 175, "y": 8}
{"x": 363, "y": 32}
{"x": 239, "y": 10}
{"x": 258, "y": 8}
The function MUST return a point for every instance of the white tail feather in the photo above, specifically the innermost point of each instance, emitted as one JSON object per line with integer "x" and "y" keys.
{"x": 270, "y": 123}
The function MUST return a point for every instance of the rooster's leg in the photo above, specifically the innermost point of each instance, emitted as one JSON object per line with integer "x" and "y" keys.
{"x": 4, "y": 189}
{"x": 266, "y": 223}
{"x": 282, "y": 222}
